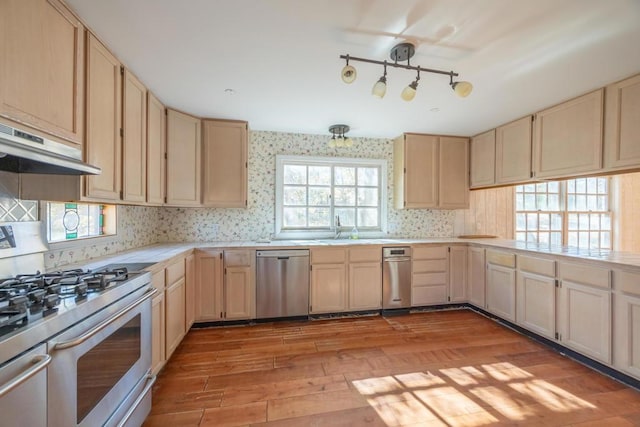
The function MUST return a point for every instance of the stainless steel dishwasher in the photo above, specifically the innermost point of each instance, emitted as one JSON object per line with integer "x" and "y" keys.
{"x": 282, "y": 283}
{"x": 396, "y": 277}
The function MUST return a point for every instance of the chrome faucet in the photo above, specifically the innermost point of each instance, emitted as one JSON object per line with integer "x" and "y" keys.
{"x": 337, "y": 228}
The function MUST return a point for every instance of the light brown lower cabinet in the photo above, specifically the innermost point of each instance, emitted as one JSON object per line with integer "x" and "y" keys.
{"x": 536, "y": 303}
{"x": 209, "y": 274}
{"x": 190, "y": 290}
{"x": 626, "y": 335}
{"x": 457, "y": 274}
{"x": 175, "y": 315}
{"x": 476, "y": 276}
{"x": 157, "y": 333}
{"x": 429, "y": 275}
{"x": 328, "y": 291}
{"x": 501, "y": 291}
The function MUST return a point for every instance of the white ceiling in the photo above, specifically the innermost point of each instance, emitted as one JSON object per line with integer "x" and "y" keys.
{"x": 281, "y": 57}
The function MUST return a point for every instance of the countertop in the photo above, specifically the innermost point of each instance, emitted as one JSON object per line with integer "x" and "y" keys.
{"x": 165, "y": 253}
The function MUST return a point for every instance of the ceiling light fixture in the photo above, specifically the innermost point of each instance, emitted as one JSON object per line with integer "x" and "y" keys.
{"x": 399, "y": 53}
{"x": 338, "y": 138}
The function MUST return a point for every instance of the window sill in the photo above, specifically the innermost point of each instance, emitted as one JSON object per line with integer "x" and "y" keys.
{"x": 87, "y": 241}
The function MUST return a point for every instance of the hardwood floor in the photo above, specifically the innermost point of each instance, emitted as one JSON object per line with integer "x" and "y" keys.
{"x": 449, "y": 368}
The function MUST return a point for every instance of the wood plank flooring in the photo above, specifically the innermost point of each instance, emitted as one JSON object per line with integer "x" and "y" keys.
{"x": 448, "y": 368}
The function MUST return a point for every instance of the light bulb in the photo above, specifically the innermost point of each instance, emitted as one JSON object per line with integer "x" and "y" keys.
{"x": 348, "y": 74}
{"x": 409, "y": 92}
{"x": 348, "y": 142}
{"x": 380, "y": 88}
{"x": 340, "y": 142}
{"x": 462, "y": 89}
{"x": 332, "y": 142}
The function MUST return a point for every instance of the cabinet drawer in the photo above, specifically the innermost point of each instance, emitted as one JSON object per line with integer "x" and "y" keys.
{"x": 174, "y": 272}
{"x": 371, "y": 254}
{"x": 501, "y": 258}
{"x": 430, "y": 266}
{"x": 584, "y": 274}
{"x": 544, "y": 267}
{"x": 328, "y": 256}
{"x": 157, "y": 280}
{"x": 626, "y": 281}
{"x": 237, "y": 258}
{"x": 429, "y": 252}
{"x": 425, "y": 279}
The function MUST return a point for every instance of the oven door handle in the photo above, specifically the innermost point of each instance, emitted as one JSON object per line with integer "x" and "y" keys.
{"x": 151, "y": 379}
{"x": 40, "y": 361}
{"x": 91, "y": 332}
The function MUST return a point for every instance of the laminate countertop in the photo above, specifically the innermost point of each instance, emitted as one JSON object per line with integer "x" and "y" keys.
{"x": 165, "y": 253}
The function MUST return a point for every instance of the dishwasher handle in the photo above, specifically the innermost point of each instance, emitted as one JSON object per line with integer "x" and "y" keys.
{"x": 397, "y": 259}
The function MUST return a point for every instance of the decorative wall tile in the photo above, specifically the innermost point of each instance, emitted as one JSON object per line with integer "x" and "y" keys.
{"x": 258, "y": 220}
{"x": 16, "y": 210}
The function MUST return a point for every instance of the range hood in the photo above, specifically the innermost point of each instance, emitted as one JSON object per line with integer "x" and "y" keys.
{"x": 22, "y": 152}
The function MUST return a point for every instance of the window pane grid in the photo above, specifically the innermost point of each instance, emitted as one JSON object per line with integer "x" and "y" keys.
{"x": 312, "y": 196}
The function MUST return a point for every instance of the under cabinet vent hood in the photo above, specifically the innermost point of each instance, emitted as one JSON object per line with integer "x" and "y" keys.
{"x": 22, "y": 152}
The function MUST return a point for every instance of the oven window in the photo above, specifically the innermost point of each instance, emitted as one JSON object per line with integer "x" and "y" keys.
{"x": 102, "y": 367}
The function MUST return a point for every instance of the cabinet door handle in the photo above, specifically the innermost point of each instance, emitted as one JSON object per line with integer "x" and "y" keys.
{"x": 40, "y": 362}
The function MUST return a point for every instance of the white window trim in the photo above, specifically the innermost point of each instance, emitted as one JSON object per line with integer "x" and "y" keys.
{"x": 324, "y": 234}
{"x": 75, "y": 243}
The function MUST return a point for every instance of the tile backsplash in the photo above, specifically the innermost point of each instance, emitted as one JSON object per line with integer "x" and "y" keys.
{"x": 16, "y": 210}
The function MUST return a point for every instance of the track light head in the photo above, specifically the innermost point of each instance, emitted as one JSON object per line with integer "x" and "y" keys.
{"x": 380, "y": 87}
{"x": 348, "y": 73}
{"x": 462, "y": 89}
{"x": 409, "y": 92}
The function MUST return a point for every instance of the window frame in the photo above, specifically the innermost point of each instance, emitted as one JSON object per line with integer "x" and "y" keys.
{"x": 564, "y": 212}
{"x": 82, "y": 241}
{"x": 281, "y": 160}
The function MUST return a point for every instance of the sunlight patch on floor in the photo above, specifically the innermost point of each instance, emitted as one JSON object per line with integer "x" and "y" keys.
{"x": 465, "y": 396}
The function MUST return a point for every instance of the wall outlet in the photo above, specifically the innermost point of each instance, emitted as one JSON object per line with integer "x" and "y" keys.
{"x": 214, "y": 231}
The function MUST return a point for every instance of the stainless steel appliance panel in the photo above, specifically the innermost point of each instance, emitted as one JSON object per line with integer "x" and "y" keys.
{"x": 23, "y": 389}
{"x": 282, "y": 283}
{"x": 97, "y": 364}
{"x": 396, "y": 277}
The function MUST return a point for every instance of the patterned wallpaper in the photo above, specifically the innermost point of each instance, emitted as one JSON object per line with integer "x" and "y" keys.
{"x": 258, "y": 220}
{"x": 137, "y": 226}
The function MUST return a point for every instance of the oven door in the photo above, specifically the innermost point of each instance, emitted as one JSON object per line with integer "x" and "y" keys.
{"x": 98, "y": 365}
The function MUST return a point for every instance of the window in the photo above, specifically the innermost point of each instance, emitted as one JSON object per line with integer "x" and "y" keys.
{"x": 73, "y": 221}
{"x": 572, "y": 213}
{"x": 312, "y": 193}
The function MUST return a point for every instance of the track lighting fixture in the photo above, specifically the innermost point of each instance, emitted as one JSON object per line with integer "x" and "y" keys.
{"x": 338, "y": 138}
{"x": 399, "y": 53}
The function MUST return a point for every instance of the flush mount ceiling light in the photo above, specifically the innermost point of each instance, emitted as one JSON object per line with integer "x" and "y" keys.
{"x": 338, "y": 138}
{"x": 399, "y": 53}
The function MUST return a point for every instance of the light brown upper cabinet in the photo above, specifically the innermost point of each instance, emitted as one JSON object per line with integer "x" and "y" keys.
{"x": 156, "y": 140}
{"x": 224, "y": 163}
{"x": 622, "y": 125}
{"x": 103, "y": 142}
{"x": 41, "y": 77}
{"x": 134, "y": 145}
{"x": 453, "y": 179}
{"x": 415, "y": 168}
{"x": 513, "y": 151}
{"x": 483, "y": 159}
{"x": 431, "y": 172}
{"x": 184, "y": 147}
{"x": 568, "y": 138}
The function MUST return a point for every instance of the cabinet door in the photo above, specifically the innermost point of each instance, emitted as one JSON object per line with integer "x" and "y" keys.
{"x": 328, "y": 288}
{"x": 513, "y": 151}
{"x": 174, "y": 316}
{"x": 584, "y": 320}
{"x": 483, "y": 159}
{"x": 365, "y": 286}
{"x": 190, "y": 290}
{"x": 157, "y": 333}
{"x": 104, "y": 121}
{"x": 626, "y": 338}
{"x": 238, "y": 293}
{"x": 501, "y": 291}
{"x": 476, "y": 276}
{"x": 209, "y": 273}
{"x": 224, "y": 164}
{"x": 134, "y": 143}
{"x": 42, "y": 78}
{"x": 183, "y": 159}
{"x": 453, "y": 181}
{"x": 156, "y": 140}
{"x": 536, "y": 303}
{"x": 457, "y": 274}
{"x": 421, "y": 171}
{"x": 621, "y": 126}
{"x": 568, "y": 138}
